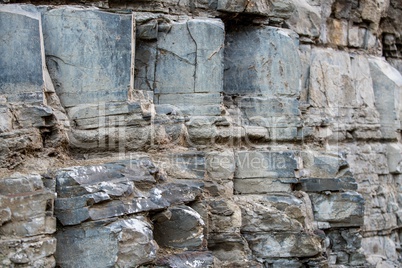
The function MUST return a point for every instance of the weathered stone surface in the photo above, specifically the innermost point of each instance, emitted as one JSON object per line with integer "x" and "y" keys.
{"x": 330, "y": 79}
{"x": 190, "y": 165}
{"x": 261, "y": 216}
{"x": 339, "y": 209}
{"x": 278, "y": 9}
{"x": 26, "y": 206}
{"x": 177, "y": 70}
{"x": 28, "y": 252}
{"x": 396, "y": 63}
{"x": 321, "y": 185}
{"x": 220, "y": 165}
{"x": 379, "y": 250}
{"x": 306, "y": 19}
{"x": 387, "y": 85}
{"x": 175, "y": 58}
{"x": 225, "y": 216}
{"x": 208, "y": 36}
{"x": 261, "y": 186}
{"x": 254, "y": 66}
{"x": 206, "y": 104}
{"x": 270, "y": 112}
{"x": 136, "y": 244}
{"x": 189, "y": 259}
{"x": 116, "y": 189}
{"x": 337, "y": 32}
{"x": 283, "y": 244}
{"x": 21, "y": 76}
{"x": 228, "y": 246}
{"x": 265, "y": 164}
{"x": 317, "y": 105}
{"x": 316, "y": 165}
{"x": 184, "y": 229}
{"x": 115, "y": 243}
{"x": 394, "y": 158}
{"x": 88, "y": 53}
{"x": 256, "y": 7}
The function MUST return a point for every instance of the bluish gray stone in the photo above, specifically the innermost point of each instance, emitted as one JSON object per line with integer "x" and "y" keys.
{"x": 86, "y": 245}
{"x": 184, "y": 229}
{"x": 106, "y": 244}
{"x": 72, "y": 216}
{"x": 89, "y": 54}
{"x": 147, "y": 31}
{"x": 208, "y": 35}
{"x": 186, "y": 58}
{"x": 176, "y": 60}
{"x": 21, "y": 76}
{"x": 193, "y": 104}
{"x": 270, "y": 112}
{"x": 262, "y": 60}
{"x": 145, "y": 60}
{"x": 265, "y": 164}
{"x": 327, "y": 184}
{"x": 284, "y": 245}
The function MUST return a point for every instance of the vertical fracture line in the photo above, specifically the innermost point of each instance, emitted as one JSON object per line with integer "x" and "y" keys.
{"x": 133, "y": 30}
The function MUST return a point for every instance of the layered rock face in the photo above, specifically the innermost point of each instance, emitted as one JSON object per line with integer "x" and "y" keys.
{"x": 201, "y": 134}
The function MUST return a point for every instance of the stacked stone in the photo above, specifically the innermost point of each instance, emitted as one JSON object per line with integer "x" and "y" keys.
{"x": 26, "y": 122}
{"x": 300, "y": 158}
{"x": 118, "y": 213}
{"x": 27, "y": 225}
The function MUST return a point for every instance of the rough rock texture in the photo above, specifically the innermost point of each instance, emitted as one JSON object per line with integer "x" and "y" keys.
{"x": 201, "y": 133}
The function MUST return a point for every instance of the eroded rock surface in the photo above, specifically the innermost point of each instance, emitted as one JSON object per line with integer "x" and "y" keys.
{"x": 200, "y": 134}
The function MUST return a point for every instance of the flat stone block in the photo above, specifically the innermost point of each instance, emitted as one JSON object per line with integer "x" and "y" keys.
{"x": 260, "y": 186}
{"x": 262, "y": 60}
{"x": 265, "y": 164}
{"x": 184, "y": 229}
{"x": 339, "y": 209}
{"x": 321, "y": 185}
{"x": 21, "y": 64}
{"x": 387, "y": 85}
{"x": 284, "y": 244}
{"x": 88, "y": 53}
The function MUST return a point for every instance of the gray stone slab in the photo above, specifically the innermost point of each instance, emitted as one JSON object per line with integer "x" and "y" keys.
{"x": 209, "y": 36}
{"x": 21, "y": 76}
{"x": 262, "y": 60}
{"x": 183, "y": 100}
{"x": 260, "y": 186}
{"x": 145, "y": 60}
{"x": 265, "y": 164}
{"x": 320, "y": 185}
{"x": 283, "y": 244}
{"x": 387, "y": 85}
{"x": 72, "y": 216}
{"x": 176, "y": 60}
{"x": 321, "y": 165}
{"x": 339, "y": 209}
{"x": 89, "y": 54}
{"x": 184, "y": 229}
{"x": 186, "y": 57}
{"x": 87, "y": 245}
{"x": 273, "y": 109}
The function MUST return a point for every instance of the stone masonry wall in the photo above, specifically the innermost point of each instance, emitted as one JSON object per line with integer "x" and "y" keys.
{"x": 195, "y": 133}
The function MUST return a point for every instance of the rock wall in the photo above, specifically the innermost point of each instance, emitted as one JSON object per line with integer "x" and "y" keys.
{"x": 201, "y": 133}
